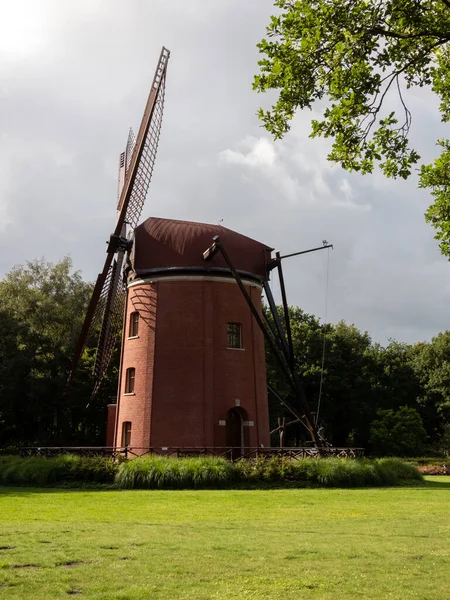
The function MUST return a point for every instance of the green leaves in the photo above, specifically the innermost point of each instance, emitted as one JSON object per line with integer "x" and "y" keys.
{"x": 42, "y": 310}
{"x": 362, "y": 377}
{"x": 352, "y": 61}
{"x": 398, "y": 433}
{"x": 436, "y": 177}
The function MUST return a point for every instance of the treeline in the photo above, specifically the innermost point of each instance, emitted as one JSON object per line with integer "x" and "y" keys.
{"x": 390, "y": 400}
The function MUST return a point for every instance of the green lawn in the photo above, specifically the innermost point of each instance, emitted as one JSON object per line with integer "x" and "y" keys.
{"x": 288, "y": 544}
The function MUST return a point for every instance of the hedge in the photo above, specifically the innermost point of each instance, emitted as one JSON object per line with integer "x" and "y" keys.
{"x": 159, "y": 472}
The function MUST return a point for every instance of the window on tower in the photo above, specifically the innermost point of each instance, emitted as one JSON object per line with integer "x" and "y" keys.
{"x": 134, "y": 324}
{"x": 234, "y": 335}
{"x": 126, "y": 433}
{"x": 129, "y": 380}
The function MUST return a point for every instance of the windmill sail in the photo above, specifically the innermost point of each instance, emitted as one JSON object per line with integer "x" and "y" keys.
{"x": 112, "y": 306}
{"x": 124, "y": 164}
{"x": 107, "y": 301}
{"x": 147, "y": 158}
{"x": 131, "y": 142}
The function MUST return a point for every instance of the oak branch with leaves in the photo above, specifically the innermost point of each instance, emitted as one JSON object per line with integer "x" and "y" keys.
{"x": 354, "y": 55}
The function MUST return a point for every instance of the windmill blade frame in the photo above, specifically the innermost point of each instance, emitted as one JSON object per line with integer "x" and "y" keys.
{"x": 131, "y": 201}
{"x": 111, "y": 323}
{"x": 140, "y": 170}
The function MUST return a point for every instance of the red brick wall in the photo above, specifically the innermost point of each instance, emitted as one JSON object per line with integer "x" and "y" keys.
{"x": 186, "y": 377}
{"x": 139, "y": 353}
{"x": 110, "y": 424}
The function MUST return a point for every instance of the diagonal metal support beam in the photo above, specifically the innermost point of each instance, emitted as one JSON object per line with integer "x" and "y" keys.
{"x": 286, "y": 312}
{"x": 279, "y": 327}
{"x": 291, "y": 378}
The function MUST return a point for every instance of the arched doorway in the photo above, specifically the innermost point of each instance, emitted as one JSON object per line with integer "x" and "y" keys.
{"x": 235, "y": 432}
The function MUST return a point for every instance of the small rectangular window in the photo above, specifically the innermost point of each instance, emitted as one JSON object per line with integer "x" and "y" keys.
{"x": 234, "y": 335}
{"x": 129, "y": 380}
{"x": 134, "y": 324}
{"x": 126, "y": 433}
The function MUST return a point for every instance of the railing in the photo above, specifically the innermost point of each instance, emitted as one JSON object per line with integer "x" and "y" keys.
{"x": 225, "y": 452}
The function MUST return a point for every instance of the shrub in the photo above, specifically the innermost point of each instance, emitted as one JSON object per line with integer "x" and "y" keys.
{"x": 329, "y": 472}
{"x": 37, "y": 470}
{"x": 165, "y": 472}
{"x": 401, "y": 471}
{"x": 399, "y": 433}
{"x": 265, "y": 469}
{"x": 93, "y": 469}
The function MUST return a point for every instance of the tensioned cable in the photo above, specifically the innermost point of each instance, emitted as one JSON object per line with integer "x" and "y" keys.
{"x": 324, "y": 338}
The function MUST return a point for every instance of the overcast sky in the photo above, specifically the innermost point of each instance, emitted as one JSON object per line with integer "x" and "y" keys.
{"x": 74, "y": 76}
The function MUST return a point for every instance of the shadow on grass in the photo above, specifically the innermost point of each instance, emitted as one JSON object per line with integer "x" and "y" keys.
{"x": 435, "y": 482}
{"x": 23, "y": 491}
{"x": 442, "y": 485}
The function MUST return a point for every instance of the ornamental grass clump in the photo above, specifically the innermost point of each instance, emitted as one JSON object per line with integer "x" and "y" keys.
{"x": 40, "y": 471}
{"x": 164, "y": 472}
{"x": 346, "y": 472}
{"x": 401, "y": 471}
{"x": 15, "y": 470}
{"x": 265, "y": 469}
{"x": 327, "y": 472}
{"x": 91, "y": 469}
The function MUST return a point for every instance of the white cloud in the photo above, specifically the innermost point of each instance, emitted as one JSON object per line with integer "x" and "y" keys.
{"x": 5, "y": 218}
{"x": 260, "y": 153}
{"x": 303, "y": 177}
{"x": 21, "y": 29}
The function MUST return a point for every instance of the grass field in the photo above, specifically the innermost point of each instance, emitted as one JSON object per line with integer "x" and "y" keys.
{"x": 273, "y": 544}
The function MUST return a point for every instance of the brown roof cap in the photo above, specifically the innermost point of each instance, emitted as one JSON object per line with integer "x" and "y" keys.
{"x": 168, "y": 244}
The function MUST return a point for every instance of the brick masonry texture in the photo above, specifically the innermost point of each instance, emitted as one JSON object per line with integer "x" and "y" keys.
{"x": 186, "y": 378}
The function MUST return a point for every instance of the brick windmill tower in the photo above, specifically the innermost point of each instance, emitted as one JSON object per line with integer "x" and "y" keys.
{"x": 192, "y": 369}
{"x": 193, "y": 364}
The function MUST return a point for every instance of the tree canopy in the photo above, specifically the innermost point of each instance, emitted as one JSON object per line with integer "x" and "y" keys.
{"x": 398, "y": 433}
{"x": 353, "y": 60}
{"x": 42, "y": 306}
{"x": 362, "y": 378}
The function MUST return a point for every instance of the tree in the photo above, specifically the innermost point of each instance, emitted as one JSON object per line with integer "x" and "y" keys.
{"x": 398, "y": 433}
{"x": 431, "y": 364}
{"x": 354, "y": 59}
{"x": 307, "y": 341}
{"x": 15, "y": 358}
{"x": 346, "y": 395}
{"x": 359, "y": 379}
{"x": 346, "y": 403}
{"x": 444, "y": 442}
{"x": 42, "y": 310}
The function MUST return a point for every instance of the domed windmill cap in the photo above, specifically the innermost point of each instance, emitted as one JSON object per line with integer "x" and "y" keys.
{"x": 168, "y": 246}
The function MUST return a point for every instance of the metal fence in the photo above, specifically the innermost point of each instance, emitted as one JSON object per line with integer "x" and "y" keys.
{"x": 229, "y": 453}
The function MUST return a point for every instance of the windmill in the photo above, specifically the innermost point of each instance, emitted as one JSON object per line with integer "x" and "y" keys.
{"x": 181, "y": 382}
{"x": 105, "y": 309}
